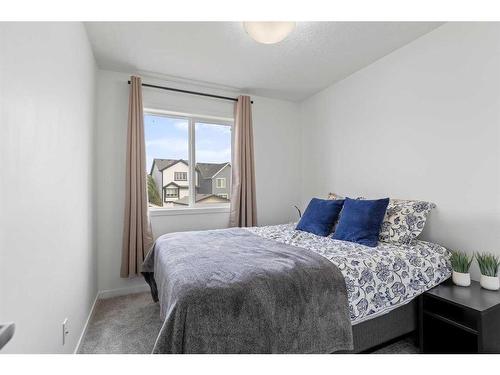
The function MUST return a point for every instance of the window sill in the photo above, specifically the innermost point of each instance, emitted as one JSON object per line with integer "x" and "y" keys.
{"x": 154, "y": 212}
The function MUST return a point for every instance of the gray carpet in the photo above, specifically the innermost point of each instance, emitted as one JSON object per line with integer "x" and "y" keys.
{"x": 126, "y": 324}
{"x": 129, "y": 325}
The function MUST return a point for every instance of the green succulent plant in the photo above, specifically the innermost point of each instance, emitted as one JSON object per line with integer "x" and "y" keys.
{"x": 460, "y": 261}
{"x": 488, "y": 264}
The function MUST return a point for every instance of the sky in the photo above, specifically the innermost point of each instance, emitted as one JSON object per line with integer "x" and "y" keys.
{"x": 167, "y": 138}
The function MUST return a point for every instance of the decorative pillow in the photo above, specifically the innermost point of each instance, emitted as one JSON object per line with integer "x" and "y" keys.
{"x": 361, "y": 220}
{"x": 404, "y": 220}
{"x": 319, "y": 216}
{"x": 335, "y": 196}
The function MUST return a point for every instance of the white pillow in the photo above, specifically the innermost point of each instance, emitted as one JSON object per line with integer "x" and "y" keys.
{"x": 404, "y": 220}
{"x": 336, "y": 196}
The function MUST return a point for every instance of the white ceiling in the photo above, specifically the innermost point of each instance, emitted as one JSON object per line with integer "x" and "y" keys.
{"x": 312, "y": 57}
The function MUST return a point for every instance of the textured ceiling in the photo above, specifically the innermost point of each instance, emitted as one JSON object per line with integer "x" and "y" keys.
{"x": 312, "y": 57}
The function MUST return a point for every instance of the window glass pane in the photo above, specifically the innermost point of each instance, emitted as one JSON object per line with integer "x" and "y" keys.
{"x": 167, "y": 160}
{"x": 213, "y": 163}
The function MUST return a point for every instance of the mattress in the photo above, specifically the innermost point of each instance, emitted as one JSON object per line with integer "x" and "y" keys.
{"x": 378, "y": 279}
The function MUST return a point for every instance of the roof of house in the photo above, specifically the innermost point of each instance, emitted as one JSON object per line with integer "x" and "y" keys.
{"x": 162, "y": 164}
{"x": 176, "y": 185}
{"x": 207, "y": 170}
{"x": 184, "y": 201}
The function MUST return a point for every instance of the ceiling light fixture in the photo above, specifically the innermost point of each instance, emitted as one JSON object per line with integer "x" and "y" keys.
{"x": 268, "y": 32}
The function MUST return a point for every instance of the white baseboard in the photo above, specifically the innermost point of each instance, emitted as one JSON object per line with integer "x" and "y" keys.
{"x": 103, "y": 294}
{"x": 123, "y": 291}
{"x": 85, "y": 326}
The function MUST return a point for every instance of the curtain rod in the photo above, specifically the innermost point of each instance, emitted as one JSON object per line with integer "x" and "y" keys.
{"x": 190, "y": 92}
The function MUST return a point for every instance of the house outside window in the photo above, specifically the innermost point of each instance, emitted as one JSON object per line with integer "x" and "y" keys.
{"x": 180, "y": 176}
{"x": 220, "y": 183}
{"x": 181, "y": 148}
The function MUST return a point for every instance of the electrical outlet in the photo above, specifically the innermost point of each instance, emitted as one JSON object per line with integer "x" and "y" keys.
{"x": 65, "y": 330}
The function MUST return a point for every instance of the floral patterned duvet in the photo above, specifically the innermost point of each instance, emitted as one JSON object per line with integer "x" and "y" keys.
{"x": 378, "y": 279}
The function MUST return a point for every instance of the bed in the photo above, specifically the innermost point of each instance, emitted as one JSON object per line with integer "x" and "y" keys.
{"x": 280, "y": 290}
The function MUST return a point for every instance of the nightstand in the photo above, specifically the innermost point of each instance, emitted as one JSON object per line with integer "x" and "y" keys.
{"x": 454, "y": 319}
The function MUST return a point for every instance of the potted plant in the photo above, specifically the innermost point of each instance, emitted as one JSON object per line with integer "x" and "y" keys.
{"x": 460, "y": 262}
{"x": 488, "y": 264}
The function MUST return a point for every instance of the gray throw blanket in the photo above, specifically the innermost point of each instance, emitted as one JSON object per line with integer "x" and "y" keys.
{"x": 231, "y": 291}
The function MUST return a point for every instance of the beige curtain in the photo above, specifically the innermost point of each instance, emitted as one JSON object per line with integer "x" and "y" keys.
{"x": 137, "y": 235}
{"x": 243, "y": 203}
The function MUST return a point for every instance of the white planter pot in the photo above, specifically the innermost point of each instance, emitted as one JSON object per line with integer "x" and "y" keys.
{"x": 490, "y": 282}
{"x": 461, "y": 279}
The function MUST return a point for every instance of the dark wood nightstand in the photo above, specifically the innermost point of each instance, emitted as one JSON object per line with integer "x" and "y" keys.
{"x": 454, "y": 319}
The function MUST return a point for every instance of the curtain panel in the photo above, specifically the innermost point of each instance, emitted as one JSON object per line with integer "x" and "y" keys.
{"x": 137, "y": 234}
{"x": 243, "y": 212}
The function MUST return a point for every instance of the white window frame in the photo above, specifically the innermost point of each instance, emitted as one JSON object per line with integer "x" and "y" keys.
{"x": 171, "y": 196}
{"x": 192, "y": 120}
{"x": 222, "y": 179}
{"x": 180, "y": 179}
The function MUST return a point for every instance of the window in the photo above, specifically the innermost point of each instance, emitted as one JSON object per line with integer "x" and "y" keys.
{"x": 180, "y": 176}
{"x": 181, "y": 148}
{"x": 213, "y": 157}
{"x": 171, "y": 192}
{"x": 220, "y": 183}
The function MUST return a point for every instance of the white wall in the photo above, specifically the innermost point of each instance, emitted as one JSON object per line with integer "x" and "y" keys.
{"x": 47, "y": 249}
{"x": 420, "y": 123}
{"x": 277, "y": 150}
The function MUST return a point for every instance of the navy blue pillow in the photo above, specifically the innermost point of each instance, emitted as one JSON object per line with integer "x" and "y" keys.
{"x": 361, "y": 220}
{"x": 320, "y": 215}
